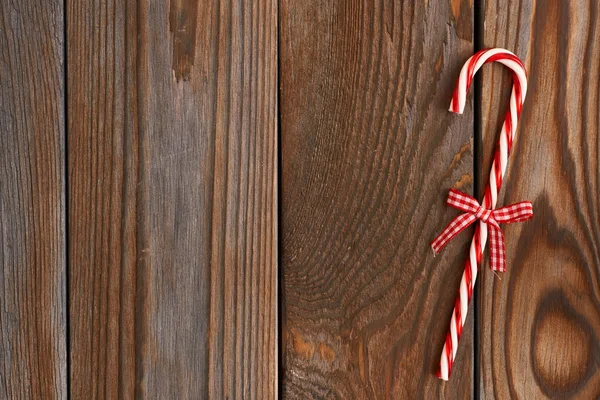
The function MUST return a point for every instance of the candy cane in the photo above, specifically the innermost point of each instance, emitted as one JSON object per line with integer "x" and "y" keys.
{"x": 503, "y": 149}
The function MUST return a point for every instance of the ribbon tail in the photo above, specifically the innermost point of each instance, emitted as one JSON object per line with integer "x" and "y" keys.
{"x": 455, "y": 226}
{"x": 497, "y": 249}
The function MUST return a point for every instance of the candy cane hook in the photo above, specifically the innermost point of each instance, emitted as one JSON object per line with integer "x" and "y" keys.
{"x": 485, "y": 213}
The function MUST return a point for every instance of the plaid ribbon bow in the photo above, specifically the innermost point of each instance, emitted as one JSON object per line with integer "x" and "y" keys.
{"x": 517, "y": 212}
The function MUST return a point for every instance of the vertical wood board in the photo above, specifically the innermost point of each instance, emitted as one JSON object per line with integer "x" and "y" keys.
{"x": 369, "y": 152}
{"x": 33, "y": 314}
{"x": 540, "y": 324}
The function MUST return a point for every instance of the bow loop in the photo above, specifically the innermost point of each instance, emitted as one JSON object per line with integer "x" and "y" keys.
{"x": 474, "y": 211}
{"x": 462, "y": 201}
{"x": 517, "y": 212}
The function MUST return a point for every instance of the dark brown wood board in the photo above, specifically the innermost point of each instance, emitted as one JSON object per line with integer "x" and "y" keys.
{"x": 369, "y": 152}
{"x": 173, "y": 186}
{"x": 33, "y": 313}
{"x": 540, "y": 324}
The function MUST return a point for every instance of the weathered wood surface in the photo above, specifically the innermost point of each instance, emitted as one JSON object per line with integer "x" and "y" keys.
{"x": 103, "y": 196}
{"x": 166, "y": 186}
{"x": 369, "y": 152}
{"x": 172, "y": 166}
{"x": 33, "y": 355}
{"x": 540, "y": 324}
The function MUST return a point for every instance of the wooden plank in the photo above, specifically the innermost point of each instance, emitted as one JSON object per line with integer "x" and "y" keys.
{"x": 173, "y": 174}
{"x": 103, "y": 164}
{"x": 207, "y": 281}
{"x": 541, "y": 322}
{"x": 369, "y": 152}
{"x": 32, "y": 201}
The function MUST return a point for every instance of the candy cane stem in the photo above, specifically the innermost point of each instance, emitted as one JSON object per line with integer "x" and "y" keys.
{"x": 507, "y": 136}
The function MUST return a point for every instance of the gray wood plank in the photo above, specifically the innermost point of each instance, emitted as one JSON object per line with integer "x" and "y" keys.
{"x": 207, "y": 277}
{"x": 173, "y": 164}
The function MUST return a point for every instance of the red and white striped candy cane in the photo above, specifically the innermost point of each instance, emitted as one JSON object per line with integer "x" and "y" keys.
{"x": 503, "y": 149}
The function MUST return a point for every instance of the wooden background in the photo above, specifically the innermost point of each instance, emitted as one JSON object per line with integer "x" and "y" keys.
{"x": 234, "y": 199}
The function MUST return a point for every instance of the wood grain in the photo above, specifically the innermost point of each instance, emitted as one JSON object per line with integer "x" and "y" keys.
{"x": 103, "y": 163}
{"x": 369, "y": 152}
{"x": 33, "y": 357}
{"x": 207, "y": 277}
{"x": 173, "y": 184}
{"x": 541, "y": 322}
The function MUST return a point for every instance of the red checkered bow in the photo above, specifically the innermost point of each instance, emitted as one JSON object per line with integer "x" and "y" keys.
{"x": 517, "y": 212}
